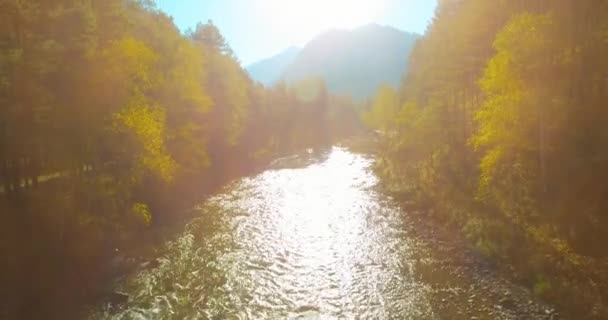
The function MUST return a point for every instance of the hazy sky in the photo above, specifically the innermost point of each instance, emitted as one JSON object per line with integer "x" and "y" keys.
{"x": 258, "y": 29}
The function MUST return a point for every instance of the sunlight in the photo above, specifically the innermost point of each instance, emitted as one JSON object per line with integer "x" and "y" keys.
{"x": 305, "y": 16}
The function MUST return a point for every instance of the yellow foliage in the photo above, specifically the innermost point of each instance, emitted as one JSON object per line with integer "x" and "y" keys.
{"x": 187, "y": 78}
{"x": 141, "y": 213}
{"x": 226, "y": 75}
{"x": 147, "y": 126}
{"x": 308, "y": 90}
{"x": 385, "y": 110}
{"x": 488, "y": 165}
{"x": 131, "y": 62}
{"x": 510, "y": 113}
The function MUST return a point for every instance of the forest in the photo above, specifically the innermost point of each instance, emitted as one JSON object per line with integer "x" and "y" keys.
{"x": 499, "y": 132}
{"x": 114, "y": 123}
{"x": 110, "y": 120}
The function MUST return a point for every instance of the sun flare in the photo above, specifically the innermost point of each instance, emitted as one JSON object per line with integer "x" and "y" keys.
{"x": 305, "y": 16}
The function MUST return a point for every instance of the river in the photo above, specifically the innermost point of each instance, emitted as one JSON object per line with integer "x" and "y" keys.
{"x": 312, "y": 237}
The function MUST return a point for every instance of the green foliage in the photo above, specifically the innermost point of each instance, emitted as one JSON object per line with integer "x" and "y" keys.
{"x": 228, "y": 83}
{"x": 111, "y": 119}
{"x": 499, "y": 132}
{"x": 208, "y": 35}
{"x": 542, "y": 286}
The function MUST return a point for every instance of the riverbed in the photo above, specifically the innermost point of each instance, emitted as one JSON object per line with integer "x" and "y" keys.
{"x": 313, "y": 237}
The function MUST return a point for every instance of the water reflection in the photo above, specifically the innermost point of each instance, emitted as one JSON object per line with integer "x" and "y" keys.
{"x": 313, "y": 242}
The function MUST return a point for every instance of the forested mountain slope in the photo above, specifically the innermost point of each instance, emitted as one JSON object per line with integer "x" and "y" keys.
{"x": 352, "y": 63}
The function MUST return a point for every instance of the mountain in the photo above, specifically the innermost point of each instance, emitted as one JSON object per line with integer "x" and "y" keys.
{"x": 352, "y": 62}
{"x": 269, "y": 71}
{"x": 355, "y": 62}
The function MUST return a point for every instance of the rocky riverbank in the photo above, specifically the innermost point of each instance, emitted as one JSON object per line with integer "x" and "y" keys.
{"x": 363, "y": 257}
{"x": 464, "y": 284}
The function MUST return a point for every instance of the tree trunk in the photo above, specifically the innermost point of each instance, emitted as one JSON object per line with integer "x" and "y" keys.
{"x": 542, "y": 151}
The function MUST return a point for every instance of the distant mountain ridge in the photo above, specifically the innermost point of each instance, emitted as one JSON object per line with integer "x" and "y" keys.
{"x": 353, "y": 62}
{"x": 269, "y": 71}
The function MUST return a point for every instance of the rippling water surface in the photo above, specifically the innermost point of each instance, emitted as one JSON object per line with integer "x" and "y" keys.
{"x": 310, "y": 238}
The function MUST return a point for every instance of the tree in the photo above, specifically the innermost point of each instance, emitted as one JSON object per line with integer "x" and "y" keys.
{"x": 209, "y": 36}
{"x": 385, "y": 109}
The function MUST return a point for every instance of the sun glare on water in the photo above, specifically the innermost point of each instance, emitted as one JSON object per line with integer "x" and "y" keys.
{"x": 300, "y": 17}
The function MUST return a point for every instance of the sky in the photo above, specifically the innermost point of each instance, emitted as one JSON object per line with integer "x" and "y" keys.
{"x": 258, "y": 29}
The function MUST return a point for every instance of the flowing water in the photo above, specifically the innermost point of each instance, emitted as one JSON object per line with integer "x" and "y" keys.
{"x": 309, "y": 238}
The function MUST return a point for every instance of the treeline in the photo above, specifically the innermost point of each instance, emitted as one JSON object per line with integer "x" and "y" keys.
{"x": 110, "y": 121}
{"x": 500, "y": 129}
